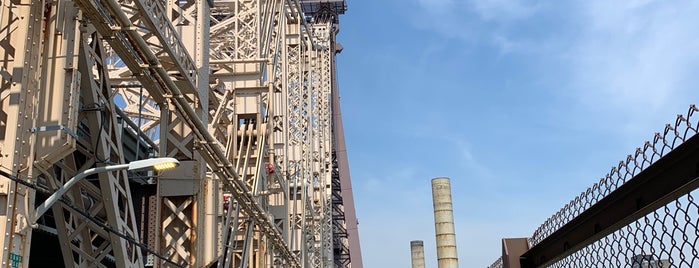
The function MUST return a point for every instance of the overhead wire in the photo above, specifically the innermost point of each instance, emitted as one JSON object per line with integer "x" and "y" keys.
{"x": 85, "y": 214}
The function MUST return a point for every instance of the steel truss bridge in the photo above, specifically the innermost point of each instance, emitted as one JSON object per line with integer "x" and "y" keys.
{"x": 242, "y": 92}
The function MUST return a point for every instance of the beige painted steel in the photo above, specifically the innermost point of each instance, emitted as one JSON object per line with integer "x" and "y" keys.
{"x": 417, "y": 254}
{"x": 56, "y": 74}
{"x": 174, "y": 92}
{"x": 233, "y": 89}
{"x": 444, "y": 223}
{"x": 112, "y": 198}
{"x": 19, "y": 75}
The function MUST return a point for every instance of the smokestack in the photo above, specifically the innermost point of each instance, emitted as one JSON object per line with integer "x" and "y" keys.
{"x": 417, "y": 254}
{"x": 444, "y": 223}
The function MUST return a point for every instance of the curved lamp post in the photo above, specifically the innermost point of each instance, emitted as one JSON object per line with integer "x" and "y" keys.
{"x": 157, "y": 164}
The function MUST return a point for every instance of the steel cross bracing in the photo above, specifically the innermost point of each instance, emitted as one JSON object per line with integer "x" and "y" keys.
{"x": 135, "y": 52}
{"x": 66, "y": 123}
{"x": 243, "y": 100}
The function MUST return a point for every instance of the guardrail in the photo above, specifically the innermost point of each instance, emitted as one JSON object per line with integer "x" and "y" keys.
{"x": 641, "y": 214}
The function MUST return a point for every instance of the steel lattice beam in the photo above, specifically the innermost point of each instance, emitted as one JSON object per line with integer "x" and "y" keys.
{"x": 135, "y": 53}
{"x": 261, "y": 70}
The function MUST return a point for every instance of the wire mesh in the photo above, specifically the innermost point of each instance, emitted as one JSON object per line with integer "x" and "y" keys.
{"x": 667, "y": 237}
{"x": 643, "y": 157}
{"x": 664, "y": 238}
{"x": 497, "y": 263}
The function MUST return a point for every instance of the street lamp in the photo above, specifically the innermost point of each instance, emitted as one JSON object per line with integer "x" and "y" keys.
{"x": 157, "y": 164}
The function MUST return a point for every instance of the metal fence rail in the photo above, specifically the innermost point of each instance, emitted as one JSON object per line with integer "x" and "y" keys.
{"x": 666, "y": 237}
{"x": 643, "y": 157}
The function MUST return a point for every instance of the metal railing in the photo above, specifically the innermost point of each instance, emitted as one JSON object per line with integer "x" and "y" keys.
{"x": 497, "y": 263}
{"x": 658, "y": 231}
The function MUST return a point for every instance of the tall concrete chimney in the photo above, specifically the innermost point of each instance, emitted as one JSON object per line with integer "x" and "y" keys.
{"x": 417, "y": 254}
{"x": 444, "y": 223}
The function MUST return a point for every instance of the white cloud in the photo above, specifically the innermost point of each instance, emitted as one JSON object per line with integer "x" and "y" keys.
{"x": 471, "y": 22}
{"x": 625, "y": 66}
{"x": 437, "y": 6}
{"x": 504, "y": 44}
{"x": 445, "y": 17}
{"x": 503, "y": 10}
{"x": 638, "y": 55}
{"x": 398, "y": 177}
{"x": 490, "y": 10}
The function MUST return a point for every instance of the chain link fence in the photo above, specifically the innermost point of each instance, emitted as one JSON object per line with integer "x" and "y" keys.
{"x": 497, "y": 264}
{"x": 667, "y": 237}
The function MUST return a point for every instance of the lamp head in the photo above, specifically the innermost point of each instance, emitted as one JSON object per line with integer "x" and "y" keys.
{"x": 158, "y": 164}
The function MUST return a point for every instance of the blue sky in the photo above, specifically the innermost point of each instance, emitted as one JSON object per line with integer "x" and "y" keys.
{"x": 523, "y": 104}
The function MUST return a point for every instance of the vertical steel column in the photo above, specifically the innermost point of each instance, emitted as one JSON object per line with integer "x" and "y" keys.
{"x": 292, "y": 136}
{"x": 327, "y": 139}
{"x": 277, "y": 165}
{"x": 212, "y": 194}
{"x": 417, "y": 254}
{"x": 444, "y": 223}
{"x": 312, "y": 228}
{"x": 177, "y": 194}
{"x": 21, "y": 22}
{"x": 191, "y": 21}
{"x": 319, "y": 152}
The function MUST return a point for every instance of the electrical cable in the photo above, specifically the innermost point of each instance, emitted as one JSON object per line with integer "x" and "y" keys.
{"x": 99, "y": 136}
{"x": 89, "y": 217}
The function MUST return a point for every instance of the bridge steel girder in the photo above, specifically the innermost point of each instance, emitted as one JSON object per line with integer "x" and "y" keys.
{"x": 162, "y": 86}
{"x": 19, "y": 78}
{"x": 68, "y": 124}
